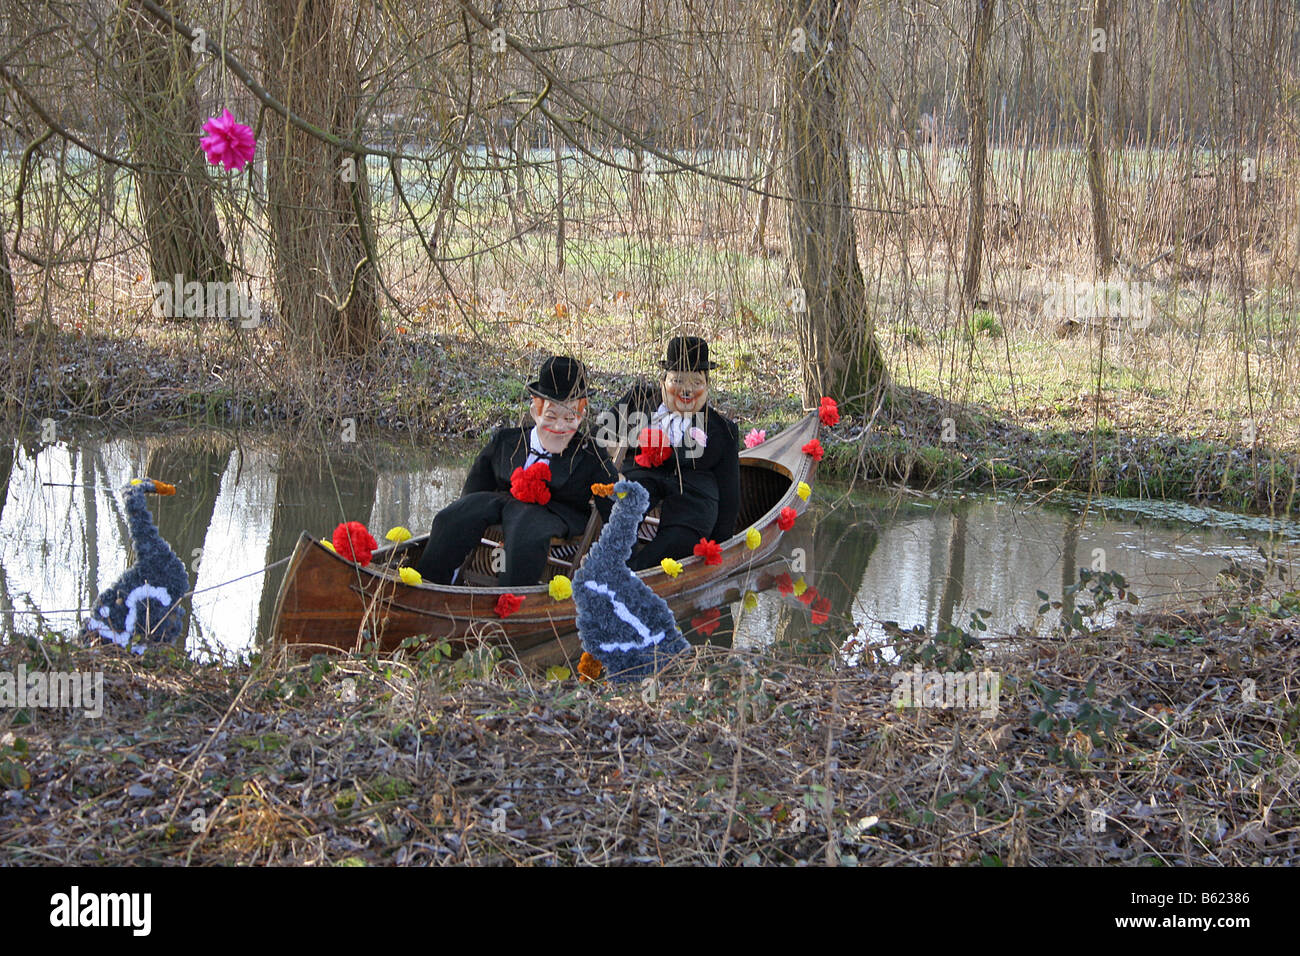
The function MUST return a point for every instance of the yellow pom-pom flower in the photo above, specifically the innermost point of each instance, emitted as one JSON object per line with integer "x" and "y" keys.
{"x": 753, "y": 538}
{"x": 803, "y": 491}
{"x": 800, "y": 586}
{"x": 750, "y": 601}
{"x": 671, "y": 568}
{"x": 328, "y": 544}
{"x": 398, "y": 535}
{"x": 560, "y": 588}
{"x": 410, "y": 576}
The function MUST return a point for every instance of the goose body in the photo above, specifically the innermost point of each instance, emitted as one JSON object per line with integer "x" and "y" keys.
{"x": 621, "y": 621}
{"x": 142, "y": 606}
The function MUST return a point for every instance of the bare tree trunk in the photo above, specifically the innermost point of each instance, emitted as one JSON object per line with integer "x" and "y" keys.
{"x": 447, "y": 191}
{"x": 177, "y": 211}
{"x": 636, "y": 187}
{"x": 497, "y": 159}
{"x": 556, "y": 150}
{"x": 1100, "y": 46}
{"x": 978, "y": 114}
{"x": 838, "y": 349}
{"x": 8, "y": 300}
{"x": 318, "y": 196}
{"x": 770, "y": 155}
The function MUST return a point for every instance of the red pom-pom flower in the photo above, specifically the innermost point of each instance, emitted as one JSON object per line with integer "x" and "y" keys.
{"x": 821, "y": 610}
{"x": 707, "y": 622}
{"x": 813, "y": 448}
{"x": 228, "y": 143}
{"x": 829, "y": 412}
{"x": 507, "y": 604}
{"x": 655, "y": 448}
{"x": 809, "y": 595}
{"x": 785, "y": 520}
{"x": 710, "y": 551}
{"x": 354, "y": 542}
{"x": 784, "y": 584}
{"x": 530, "y": 484}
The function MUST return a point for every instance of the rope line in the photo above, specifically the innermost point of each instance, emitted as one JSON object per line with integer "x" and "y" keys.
{"x": 190, "y": 593}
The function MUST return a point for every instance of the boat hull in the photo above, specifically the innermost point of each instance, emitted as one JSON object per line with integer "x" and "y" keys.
{"x": 329, "y": 604}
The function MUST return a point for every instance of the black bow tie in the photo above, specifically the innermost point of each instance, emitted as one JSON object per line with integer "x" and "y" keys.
{"x": 540, "y": 454}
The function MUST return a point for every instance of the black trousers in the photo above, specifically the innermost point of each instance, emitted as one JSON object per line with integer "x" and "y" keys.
{"x": 679, "y": 515}
{"x": 674, "y": 541}
{"x": 457, "y": 528}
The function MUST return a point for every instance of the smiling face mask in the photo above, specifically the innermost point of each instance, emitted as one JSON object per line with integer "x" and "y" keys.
{"x": 557, "y": 422}
{"x": 685, "y": 392}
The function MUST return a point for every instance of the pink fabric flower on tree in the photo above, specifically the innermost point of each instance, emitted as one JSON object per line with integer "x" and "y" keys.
{"x": 755, "y": 437}
{"x": 228, "y": 143}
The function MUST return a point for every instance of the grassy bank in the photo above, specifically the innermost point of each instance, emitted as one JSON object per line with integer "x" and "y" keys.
{"x": 1143, "y": 744}
{"x": 1031, "y": 419}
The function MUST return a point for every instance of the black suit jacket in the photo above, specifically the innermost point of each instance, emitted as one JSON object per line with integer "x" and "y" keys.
{"x": 582, "y": 464}
{"x": 705, "y": 481}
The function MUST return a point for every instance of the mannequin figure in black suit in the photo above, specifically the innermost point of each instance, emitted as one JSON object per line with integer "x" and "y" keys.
{"x": 576, "y": 463}
{"x": 698, "y": 486}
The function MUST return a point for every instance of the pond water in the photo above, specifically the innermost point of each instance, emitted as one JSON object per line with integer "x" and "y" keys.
{"x": 913, "y": 560}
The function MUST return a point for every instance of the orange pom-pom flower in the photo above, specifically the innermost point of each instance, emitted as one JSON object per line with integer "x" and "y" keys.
{"x": 589, "y": 668}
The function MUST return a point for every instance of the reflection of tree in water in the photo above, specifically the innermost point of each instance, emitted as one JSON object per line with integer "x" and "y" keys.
{"x": 955, "y": 577}
{"x": 347, "y": 493}
{"x": 844, "y": 538}
{"x": 1069, "y": 572}
{"x": 7, "y": 461}
{"x": 195, "y": 463}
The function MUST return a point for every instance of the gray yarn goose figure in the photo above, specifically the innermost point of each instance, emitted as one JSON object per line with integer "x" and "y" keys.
{"x": 622, "y": 623}
{"x": 142, "y": 606}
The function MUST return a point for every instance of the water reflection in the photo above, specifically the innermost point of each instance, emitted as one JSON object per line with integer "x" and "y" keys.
{"x": 242, "y": 504}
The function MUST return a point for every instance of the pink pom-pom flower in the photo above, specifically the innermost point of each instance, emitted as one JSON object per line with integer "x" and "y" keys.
{"x": 755, "y": 437}
{"x": 228, "y": 143}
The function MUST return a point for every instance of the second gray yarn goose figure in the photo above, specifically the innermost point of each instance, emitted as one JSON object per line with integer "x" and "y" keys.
{"x": 621, "y": 621}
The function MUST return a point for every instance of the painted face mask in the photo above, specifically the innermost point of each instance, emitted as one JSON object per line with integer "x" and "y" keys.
{"x": 685, "y": 392}
{"x": 557, "y": 422}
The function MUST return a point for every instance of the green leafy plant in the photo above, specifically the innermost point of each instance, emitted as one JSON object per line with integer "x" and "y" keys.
{"x": 949, "y": 649}
{"x": 983, "y": 322}
{"x": 1063, "y": 716}
{"x": 1104, "y": 587}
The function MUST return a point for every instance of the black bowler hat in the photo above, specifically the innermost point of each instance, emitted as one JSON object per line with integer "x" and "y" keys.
{"x": 561, "y": 379}
{"x": 688, "y": 353}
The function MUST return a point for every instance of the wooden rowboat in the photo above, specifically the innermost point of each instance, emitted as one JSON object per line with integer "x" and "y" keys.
{"x": 328, "y": 603}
